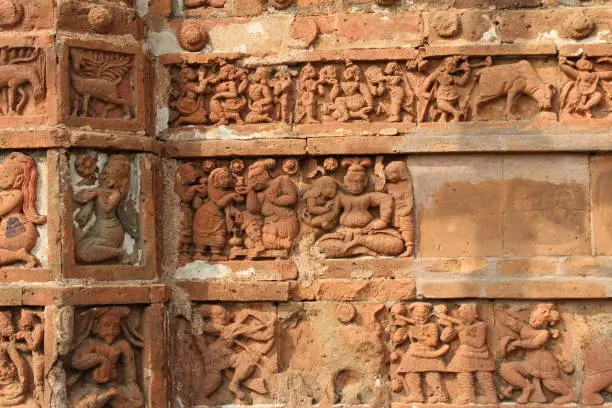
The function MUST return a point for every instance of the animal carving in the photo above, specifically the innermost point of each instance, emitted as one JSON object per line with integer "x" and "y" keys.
{"x": 96, "y": 75}
{"x": 511, "y": 81}
{"x": 17, "y": 69}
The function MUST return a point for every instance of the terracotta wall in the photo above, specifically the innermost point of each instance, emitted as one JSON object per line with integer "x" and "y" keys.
{"x": 296, "y": 203}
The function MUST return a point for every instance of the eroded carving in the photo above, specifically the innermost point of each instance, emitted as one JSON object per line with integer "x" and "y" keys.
{"x": 446, "y": 24}
{"x": 18, "y": 231}
{"x": 355, "y": 218}
{"x": 598, "y": 370}
{"x": 100, "y": 19}
{"x": 193, "y": 37}
{"x": 21, "y": 69}
{"x": 234, "y": 347}
{"x": 204, "y": 3}
{"x": 238, "y": 210}
{"x": 103, "y": 359}
{"x": 333, "y": 353}
{"x": 96, "y": 78}
{"x": 539, "y": 366}
{"x": 11, "y": 13}
{"x": 21, "y": 358}
{"x": 105, "y": 215}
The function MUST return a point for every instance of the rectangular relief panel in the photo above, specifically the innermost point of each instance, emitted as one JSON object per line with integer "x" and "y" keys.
{"x": 256, "y": 210}
{"x": 111, "y": 217}
{"x": 419, "y": 354}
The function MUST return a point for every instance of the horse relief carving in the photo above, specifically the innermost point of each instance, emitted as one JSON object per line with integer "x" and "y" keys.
{"x": 22, "y": 79}
{"x": 106, "y": 215}
{"x": 103, "y": 363}
{"x": 237, "y": 210}
{"x": 96, "y": 79}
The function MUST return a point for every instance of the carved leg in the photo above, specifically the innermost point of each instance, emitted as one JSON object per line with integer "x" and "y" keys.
{"x": 22, "y": 102}
{"x": 92, "y": 252}
{"x": 435, "y": 390}
{"x": 593, "y": 384}
{"x": 8, "y": 257}
{"x": 412, "y": 383}
{"x": 200, "y": 251}
{"x": 11, "y": 100}
{"x": 85, "y": 107}
{"x": 466, "y": 389}
{"x": 558, "y": 386}
{"x": 512, "y": 373}
{"x": 127, "y": 112}
{"x": 487, "y": 386}
{"x": 510, "y": 102}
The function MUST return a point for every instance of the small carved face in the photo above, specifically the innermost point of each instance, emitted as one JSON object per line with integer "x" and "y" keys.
{"x": 237, "y": 166}
{"x": 290, "y": 166}
{"x": 108, "y": 328}
{"x": 355, "y": 182}
{"x": 258, "y": 178}
{"x": 468, "y": 313}
{"x": 420, "y": 312}
{"x": 396, "y": 172}
{"x": 208, "y": 166}
{"x": 186, "y": 75}
{"x": 188, "y": 173}
{"x": 544, "y": 95}
{"x": 6, "y": 325}
{"x": 219, "y": 315}
{"x": 85, "y": 165}
{"x": 225, "y": 72}
{"x": 584, "y": 64}
{"x": 10, "y": 177}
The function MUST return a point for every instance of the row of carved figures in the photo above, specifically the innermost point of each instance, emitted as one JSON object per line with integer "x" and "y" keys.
{"x": 437, "y": 355}
{"x": 456, "y": 89}
{"x": 353, "y": 207}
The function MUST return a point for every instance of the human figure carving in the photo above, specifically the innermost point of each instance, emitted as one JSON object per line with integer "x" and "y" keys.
{"x": 282, "y": 84}
{"x": 441, "y": 88}
{"x": 228, "y": 100}
{"x": 472, "y": 358}
{"x": 309, "y": 87}
{"x": 351, "y": 98}
{"x": 424, "y": 355}
{"x": 261, "y": 98}
{"x": 19, "y": 67}
{"x": 319, "y": 200}
{"x": 14, "y": 380}
{"x": 581, "y": 95}
{"x": 539, "y": 364}
{"x": 103, "y": 356}
{"x": 186, "y": 187}
{"x": 240, "y": 345}
{"x": 96, "y": 75}
{"x": 393, "y": 82}
{"x": 511, "y": 81}
{"x": 270, "y": 221}
{"x": 190, "y": 104}
{"x": 399, "y": 186}
{"x": 30, "y": 339}
{"x": 18, "y": 213}
{"x": 360, "y": 232}
{"x": 209, "y": 222}
{"x": 103, "y": 240}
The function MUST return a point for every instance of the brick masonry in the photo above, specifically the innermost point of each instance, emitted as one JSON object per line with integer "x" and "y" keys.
{"x": 297, "y": 203}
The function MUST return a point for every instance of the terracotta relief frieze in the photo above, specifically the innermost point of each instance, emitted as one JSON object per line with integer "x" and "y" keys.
{"x": 316, "y": 97}
{"x": 404, "y": 354}
{"x": 268, "y": 208}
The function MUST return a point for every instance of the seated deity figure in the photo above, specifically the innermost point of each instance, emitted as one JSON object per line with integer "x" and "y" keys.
{"x": 360, "y": 232}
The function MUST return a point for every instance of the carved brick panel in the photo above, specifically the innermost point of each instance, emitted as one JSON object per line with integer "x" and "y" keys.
{"x": 111, "y": 215}
{"x": 102, "y": 85}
